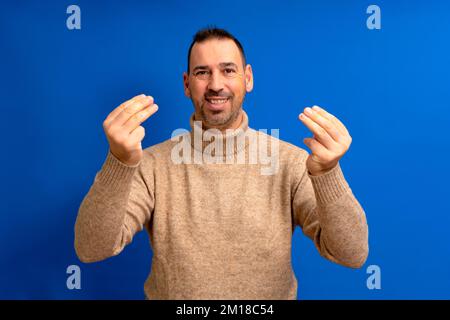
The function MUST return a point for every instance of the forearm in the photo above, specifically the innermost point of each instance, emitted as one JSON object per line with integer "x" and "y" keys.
{"x": 343, "y": 233}
{"x": 100, "y": 220}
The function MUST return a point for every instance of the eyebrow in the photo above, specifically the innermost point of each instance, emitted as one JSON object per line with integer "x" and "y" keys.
{"x": 222, "y": 65}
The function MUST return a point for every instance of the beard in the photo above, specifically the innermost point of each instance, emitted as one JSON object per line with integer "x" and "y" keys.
{"x": 221, "y": 119}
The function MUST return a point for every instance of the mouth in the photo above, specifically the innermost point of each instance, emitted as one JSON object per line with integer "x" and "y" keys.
{"x": 216, "y": 103}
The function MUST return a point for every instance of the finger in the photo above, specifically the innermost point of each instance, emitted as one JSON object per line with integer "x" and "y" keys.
{"x": 131, "y": 109}
{"x": 331, "y": 117}
{"x": 318, "y": 151}
{"x": 119, "y": 109}
{"x": 329, "y": 126}
{"x": 137, "y": 134}
{"x": 321, "y": 135}
{"x": 139, "y": 117}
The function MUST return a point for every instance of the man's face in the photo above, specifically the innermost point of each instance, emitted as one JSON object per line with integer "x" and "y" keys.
{"x": 217, "y": 83}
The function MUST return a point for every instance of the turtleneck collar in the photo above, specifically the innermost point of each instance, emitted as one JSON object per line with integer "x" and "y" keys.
{"x": 201, "y": 138}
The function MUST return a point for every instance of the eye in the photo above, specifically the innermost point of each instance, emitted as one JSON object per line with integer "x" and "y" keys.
{"x": 229, "y": 71}
{"x": 200, "y": 73}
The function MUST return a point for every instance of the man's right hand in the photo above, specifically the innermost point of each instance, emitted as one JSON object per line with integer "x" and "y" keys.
{"x": 124, "y": 131}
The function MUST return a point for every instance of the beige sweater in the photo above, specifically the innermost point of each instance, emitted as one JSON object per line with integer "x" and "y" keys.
{"x": 220, "y": 231}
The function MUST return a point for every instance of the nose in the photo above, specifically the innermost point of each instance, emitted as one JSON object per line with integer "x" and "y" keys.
{"x": 215, "y": 82}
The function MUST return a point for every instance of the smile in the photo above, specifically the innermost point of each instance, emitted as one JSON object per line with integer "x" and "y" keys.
{"x": 217, "y": 101}
{"x": 216, "y": 104}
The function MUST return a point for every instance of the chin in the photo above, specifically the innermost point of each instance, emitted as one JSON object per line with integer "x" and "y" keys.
{"x": 218, "y": 119}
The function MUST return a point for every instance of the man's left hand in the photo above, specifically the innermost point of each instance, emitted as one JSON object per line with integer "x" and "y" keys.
{"x": 329, "y": 143}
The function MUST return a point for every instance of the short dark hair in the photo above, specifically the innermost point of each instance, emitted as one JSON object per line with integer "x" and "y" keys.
{"x": 213, "y": 33}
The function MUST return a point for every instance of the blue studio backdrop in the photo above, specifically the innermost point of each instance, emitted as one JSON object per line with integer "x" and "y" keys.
{"x": 389, "y": 86}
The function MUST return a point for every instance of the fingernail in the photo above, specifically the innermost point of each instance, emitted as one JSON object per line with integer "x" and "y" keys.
{"x": 308, "y": 111}
{"x": 302, "y": 115}
{"x": 316, "y": 108}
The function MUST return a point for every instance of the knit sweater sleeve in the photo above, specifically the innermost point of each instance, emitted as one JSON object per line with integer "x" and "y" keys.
{"x": 119, "y": 203}
{"x": 328, "y": 213}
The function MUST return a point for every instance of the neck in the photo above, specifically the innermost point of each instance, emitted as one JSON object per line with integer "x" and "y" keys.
{"x": 201, "y": 137}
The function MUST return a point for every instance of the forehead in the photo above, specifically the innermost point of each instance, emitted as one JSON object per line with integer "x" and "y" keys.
{"x": 214, "y": 51}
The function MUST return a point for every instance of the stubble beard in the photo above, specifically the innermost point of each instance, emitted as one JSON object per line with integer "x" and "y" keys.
{"x": 220, "y": 119}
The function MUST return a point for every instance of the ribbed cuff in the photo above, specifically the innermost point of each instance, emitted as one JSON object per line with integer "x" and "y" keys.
{"x": 114, "y": 174}
{"x": 330, "y": 186}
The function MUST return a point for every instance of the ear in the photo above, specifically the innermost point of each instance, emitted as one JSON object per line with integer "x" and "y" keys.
{"x": 187, "y": 91}
{"x": 248, "y": 74}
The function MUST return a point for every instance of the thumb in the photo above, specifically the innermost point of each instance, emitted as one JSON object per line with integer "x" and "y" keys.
{"x": 307, "y": 141}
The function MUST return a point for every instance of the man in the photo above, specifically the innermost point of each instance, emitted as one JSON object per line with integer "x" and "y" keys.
{"x": 220, "y": 230}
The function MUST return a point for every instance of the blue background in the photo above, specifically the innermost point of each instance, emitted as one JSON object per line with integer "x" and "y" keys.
{"x": 390, "y": 87}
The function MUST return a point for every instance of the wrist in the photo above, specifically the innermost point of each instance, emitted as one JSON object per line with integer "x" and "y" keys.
{"x": 321, "y": 172}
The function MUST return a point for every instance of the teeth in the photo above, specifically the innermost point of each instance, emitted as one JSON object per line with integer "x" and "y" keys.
{"x": 216, "y": 101}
